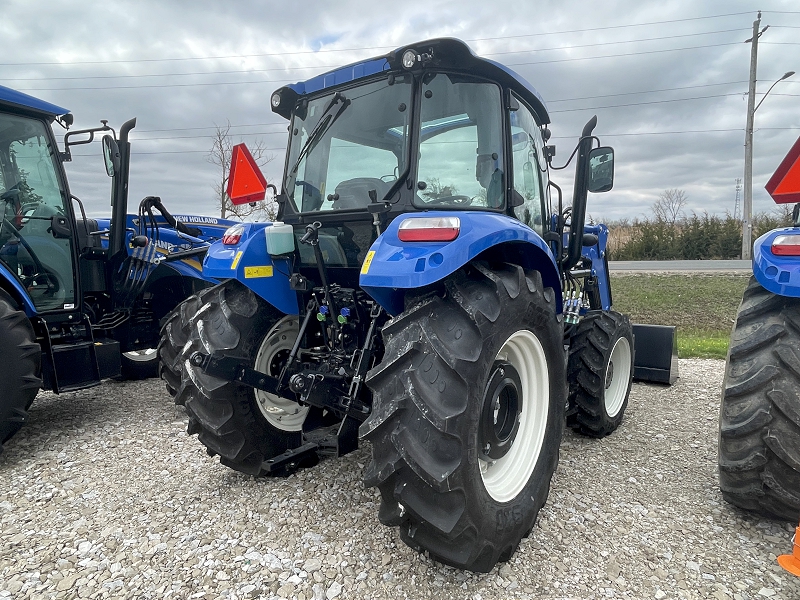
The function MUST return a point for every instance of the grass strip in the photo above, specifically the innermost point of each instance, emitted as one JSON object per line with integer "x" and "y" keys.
{"x": 702, "y": 307}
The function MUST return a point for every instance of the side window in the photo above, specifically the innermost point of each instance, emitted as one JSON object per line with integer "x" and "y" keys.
{"x": 528, "y": 167}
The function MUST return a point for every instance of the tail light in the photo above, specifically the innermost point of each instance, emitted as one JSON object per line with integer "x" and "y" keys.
{"x": 233, "y": 235}
{"x": 786, "y": 245}
{"x": 429, "y": 229}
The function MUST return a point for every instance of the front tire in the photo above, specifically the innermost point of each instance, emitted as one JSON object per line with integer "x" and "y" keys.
{"x": 759, "y": 425}
{"x": 20, "y": 367}
{"x": 456, "y": 472}
{"x": 244, "y": 427}
{"x": 599, "y": 373}
{"x": 139, "y": 364}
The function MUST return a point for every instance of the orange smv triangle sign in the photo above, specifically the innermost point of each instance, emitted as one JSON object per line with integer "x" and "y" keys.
{"x": 784, "y": 185}
{"x": 246, "y": 183}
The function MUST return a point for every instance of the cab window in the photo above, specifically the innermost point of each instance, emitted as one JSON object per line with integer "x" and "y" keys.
{"x": 529, "y": 167}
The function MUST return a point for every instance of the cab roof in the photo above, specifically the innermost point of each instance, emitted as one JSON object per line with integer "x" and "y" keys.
{"x": 444, "y": 53}
{"x": 19, "y": 102}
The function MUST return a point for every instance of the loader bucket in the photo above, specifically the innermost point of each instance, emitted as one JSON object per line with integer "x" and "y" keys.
{"x": 655, "y": 357}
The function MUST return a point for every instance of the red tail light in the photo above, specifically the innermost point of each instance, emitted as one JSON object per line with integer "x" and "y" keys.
{"x": 786, "y": 245}
{"x": 233, "y": 235}
{"x": 429, "y": 229}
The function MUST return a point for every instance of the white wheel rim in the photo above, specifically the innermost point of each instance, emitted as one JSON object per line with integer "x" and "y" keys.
{"x": 141, "y": 355}
{"x": 619, "y": 370}
{"x": 505, "y": 477}
{"x": 281, "y": 413}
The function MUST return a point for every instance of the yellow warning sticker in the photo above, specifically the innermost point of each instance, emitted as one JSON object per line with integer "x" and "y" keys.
{"x": 254, "y": 272}
{"x": 367, "y": 262}
{"x": 236, "y": 259}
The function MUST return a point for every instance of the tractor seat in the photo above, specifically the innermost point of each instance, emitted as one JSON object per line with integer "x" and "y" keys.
{"x": 354, "y": 193}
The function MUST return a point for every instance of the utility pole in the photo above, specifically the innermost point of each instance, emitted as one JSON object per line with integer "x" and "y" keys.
{"x": 738, "y": 190}
{"x": 747, "y": 204}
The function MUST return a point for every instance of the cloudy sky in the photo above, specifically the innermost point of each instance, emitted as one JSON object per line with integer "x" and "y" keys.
{"x": 667, "y": 80}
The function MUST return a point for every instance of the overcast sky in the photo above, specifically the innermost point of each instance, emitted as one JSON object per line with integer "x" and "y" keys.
{"x": 667, "y": 80}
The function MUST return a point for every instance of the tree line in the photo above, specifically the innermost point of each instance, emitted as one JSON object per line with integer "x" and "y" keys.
{"x": 670, "y": 234}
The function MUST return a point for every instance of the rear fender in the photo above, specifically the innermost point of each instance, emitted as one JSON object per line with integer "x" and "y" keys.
{"x": 15, "y": 289}
{"x": 392, "y": 267}
{"x": 777, "y": 274}
{"x": 249, "y": 263}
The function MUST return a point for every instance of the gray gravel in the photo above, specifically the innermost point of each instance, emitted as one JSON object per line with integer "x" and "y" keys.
{"x": 103, "y": 495}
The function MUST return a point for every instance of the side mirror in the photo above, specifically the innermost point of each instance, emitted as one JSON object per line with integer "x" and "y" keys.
{"x": 601, "y": 169}
{"x": 111, "y": 155}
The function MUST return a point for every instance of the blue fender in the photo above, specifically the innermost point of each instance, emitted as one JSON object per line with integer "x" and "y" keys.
{"x": 249, "y": 263}
{"x": 19, "y": 292}
{"x": 777, "y": 274}
{"x": 392, "y": 266}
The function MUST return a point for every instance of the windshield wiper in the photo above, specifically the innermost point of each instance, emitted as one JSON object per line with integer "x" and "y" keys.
{"x": 325, "y": 122}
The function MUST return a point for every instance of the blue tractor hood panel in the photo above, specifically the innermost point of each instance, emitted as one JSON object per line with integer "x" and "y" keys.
{"x": 777, "y": 274}
{"x": 249, "y": 263}
{"x": 446, "y": 53}
{"x": 17, "y": 100}
{"x": 392, "y": 266}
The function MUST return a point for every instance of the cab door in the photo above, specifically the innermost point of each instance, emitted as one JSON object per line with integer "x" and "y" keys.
{"x": 36, "y": 237}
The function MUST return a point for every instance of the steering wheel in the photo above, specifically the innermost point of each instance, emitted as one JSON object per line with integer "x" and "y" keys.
{"x": 457, "y": 200}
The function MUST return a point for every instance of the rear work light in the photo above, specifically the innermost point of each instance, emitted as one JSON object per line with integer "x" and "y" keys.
{"x": 429, "y": 229}
{"x": 786, "y": 245}
{"x": 233, "y": 235}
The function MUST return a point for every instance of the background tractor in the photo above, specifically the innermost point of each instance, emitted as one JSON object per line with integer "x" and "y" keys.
{"x": 759, "y": 425}
{"x": 424, "y": 289}
{"x": 80, "y": 299}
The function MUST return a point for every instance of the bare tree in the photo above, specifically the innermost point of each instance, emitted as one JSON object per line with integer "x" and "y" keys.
{"x": 669, "y": 206}
{"x": 220, "y": 155}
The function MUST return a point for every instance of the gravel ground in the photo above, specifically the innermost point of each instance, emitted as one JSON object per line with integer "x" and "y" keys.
{"x": 103, "y": 495}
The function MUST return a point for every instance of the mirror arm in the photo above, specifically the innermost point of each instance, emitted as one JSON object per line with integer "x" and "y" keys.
{"x": 66, "y": 155}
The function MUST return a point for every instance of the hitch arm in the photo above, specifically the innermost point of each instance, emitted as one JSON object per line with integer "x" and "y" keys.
{"x": 231, "y": 368}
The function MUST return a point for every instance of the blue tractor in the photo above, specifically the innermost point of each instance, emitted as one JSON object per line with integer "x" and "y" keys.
{"x": 424, "y": 289}
{"x": 80, "y": 299}
{"x": 759, "y": 425}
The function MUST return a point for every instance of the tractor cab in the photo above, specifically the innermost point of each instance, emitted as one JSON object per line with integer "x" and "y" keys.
{"x": 36, "y": 243}
{"x": 427, "y": 128}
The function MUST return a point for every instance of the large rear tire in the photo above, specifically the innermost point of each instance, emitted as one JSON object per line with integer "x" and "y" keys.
{"x": 175, "y": 334}
{"x": 244, "y": 427}
{"x": 20, "y": 368}
{"x": 599, "y": 372}
{"x": 468, "y": 413}
{"x": 759, "y": 425}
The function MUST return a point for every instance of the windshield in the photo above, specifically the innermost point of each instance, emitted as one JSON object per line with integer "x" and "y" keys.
{"x": 30, "y": 197}
{"x": 348, "y": 146}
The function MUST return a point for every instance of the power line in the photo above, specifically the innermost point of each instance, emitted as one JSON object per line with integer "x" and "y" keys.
{"x": 629, "y": 134}
{"x": 95, "y": 62}
{"x": 247, "y": 71}
{"x": 641, "y": 103}
{"x": 274, "y": 81}
{"x": 688, "y": 87}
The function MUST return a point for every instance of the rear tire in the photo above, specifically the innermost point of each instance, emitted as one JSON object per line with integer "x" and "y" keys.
{"x": 599, "y": 372}
{"x": 759, "y": 425}
{"x": 459, "y": 366}
{"x": 20, "y": 368}
{"x": 175, "y": 334}
{"x": 227, "y": 416}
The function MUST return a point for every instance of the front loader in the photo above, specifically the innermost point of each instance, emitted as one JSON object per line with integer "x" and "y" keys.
{"x": 424, "y": 289}
{"x": 80, "y": 299}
